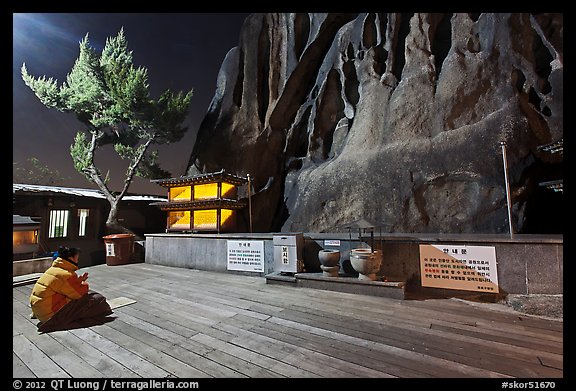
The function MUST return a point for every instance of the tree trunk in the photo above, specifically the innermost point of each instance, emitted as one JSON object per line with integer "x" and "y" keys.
{"x": 112, "y": 224}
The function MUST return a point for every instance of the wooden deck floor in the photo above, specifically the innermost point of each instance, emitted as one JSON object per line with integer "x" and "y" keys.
{"x": 189, "y": 323}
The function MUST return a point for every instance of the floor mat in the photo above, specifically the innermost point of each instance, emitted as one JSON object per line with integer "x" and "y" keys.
{"x": 120, "y": 302}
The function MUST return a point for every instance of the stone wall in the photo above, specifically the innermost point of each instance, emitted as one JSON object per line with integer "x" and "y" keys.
{"x": 30, "y": 266}
{"x": 526, "y": 265}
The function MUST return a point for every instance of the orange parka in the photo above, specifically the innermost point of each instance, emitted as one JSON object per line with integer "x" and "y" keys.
{"x": 55, "y": 288}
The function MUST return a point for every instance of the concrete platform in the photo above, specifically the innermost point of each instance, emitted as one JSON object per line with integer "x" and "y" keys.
{"x": 189, "y": 323}
{"x": 391, "y": 289}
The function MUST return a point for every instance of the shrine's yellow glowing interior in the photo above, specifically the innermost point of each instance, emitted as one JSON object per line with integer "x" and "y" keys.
{"x": 208, "y": 202}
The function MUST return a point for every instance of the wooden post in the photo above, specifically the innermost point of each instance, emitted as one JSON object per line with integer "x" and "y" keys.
{"x": 508, "y": 198}
{"x": 218, "y": 218}
{"x": 249, "y": 201}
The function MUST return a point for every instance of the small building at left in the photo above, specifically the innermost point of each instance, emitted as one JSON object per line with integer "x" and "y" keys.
{"x": 46, "y": 217}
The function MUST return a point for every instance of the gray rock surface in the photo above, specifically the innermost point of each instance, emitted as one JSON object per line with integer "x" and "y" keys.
{"x": 551, "y": 306}
{"x": 392, "y": 117}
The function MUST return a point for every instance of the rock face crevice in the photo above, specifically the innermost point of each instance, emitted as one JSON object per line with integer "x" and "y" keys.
{"x": 392, "y": 117}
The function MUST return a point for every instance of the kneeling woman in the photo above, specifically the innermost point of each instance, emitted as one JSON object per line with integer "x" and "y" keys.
{"x": 61, "y": 300}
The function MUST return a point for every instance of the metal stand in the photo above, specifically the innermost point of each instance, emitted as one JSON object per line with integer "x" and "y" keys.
{"x": 249, "y": 201}
{"x": 508, "y": 201}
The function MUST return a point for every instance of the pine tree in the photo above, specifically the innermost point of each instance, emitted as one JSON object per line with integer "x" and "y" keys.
{"x": 34, "y": 172}
{"x": 109, "y": 95}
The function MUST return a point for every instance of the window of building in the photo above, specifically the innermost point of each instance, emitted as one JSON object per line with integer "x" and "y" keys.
{"x": 83, "y": 220}
{"x": 181, "y": 193}
{"x": 206, "y": 191}
{"x": 58, "y": 223}
{"x": 179, "y": 220}
{"x": 206, "y": 219}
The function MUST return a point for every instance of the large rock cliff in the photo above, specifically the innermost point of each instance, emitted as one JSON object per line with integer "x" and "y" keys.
{"x": 396, "y": 118}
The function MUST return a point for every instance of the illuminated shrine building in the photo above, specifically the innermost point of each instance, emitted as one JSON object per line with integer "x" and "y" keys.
{"x": 206, "y": 202}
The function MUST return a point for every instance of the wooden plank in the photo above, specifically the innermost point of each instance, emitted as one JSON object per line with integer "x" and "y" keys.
{"x": 170, "y": 321}
{"x": 381, "y": 332}
{"x": 353, "y": 362}
{"x": 256, "y": 358}
{"x": 413, "y": 315}
{"x": 244, "y": 367}
{"x": 183, "y": 349}
{"x": 227, "y": 301}
{"x": 533, "y": 345}
{"x": 17, "y": 323}
{"x": 550, "y": 363}
{"x": 187, "y": 318}
{"x": 420, "y": 360}
{"x": 440, "y": 346}
{"x": 21, "y": 320}
{"x": 19, "y": 369}
{"x": 192, "y": 354}
{"x": 67, "y": 359}
{"x": 358, "y": 361}
{"x": 167, "y": 331}
{"x": 38, "y": 362}
{"x": 505, "y": 312}
{"x": 134, "y": 362}
{"x": 205, "y": 281}
{"x": 342, "y": 368}
{"x": 272, "y": 349}
{"x": 279, "y": 368}
{"x": 198, "y": 355}
{"x": 245, "y": 302}
{"x": 496, "y": 329}
{"x": 487, "y": 346}
{"x": 281, "y": 351}
{"x": 246, "y": 293}
{"x": 184, "y": 308}
{"x": 462, "y": 308}
{"x": 458, "y": 304}
{"x": 453, "y": 353}
{"x": 233, "y": 321}
{"x": 488, "y": 362}
{"x": 159, "y": 358}
{"x": 94, "y": 357}
{"x": 520, "y": 330}
{"x": 219, "y": 287}
{"x": 499, "y": 348}
{"x": 182, "y": 296}
{"x": 21, "y": 297}
{"x": 218, "y": 307}
{"x": 161, "y": 338}
{"x": 60, "y": 347}
{"x": 350, "y": 353}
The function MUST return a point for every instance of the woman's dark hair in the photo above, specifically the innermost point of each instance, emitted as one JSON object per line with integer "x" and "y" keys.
{"x": 67, "y": 252}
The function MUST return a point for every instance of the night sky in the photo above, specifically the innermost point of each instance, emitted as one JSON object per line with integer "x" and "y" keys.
{"x": 180, "y": 51}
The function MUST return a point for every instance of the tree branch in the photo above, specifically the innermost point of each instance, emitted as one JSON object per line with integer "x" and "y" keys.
{"x": 93, "y": 171}
{"x": 132, "y": 168}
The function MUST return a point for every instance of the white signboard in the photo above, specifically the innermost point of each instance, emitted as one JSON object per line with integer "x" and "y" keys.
{"x": 246, "y": 255}
{"x": 335, "y": 243}
{"x": 110, "y": 250}
{"x": 285, "y": 259}
{"x": 471, "y": 268}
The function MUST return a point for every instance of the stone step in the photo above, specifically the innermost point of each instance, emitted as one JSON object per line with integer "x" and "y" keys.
{"x": 25, "y": 279}
{"x": 279, "y": 278}
{"x": 391, "y": 289}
